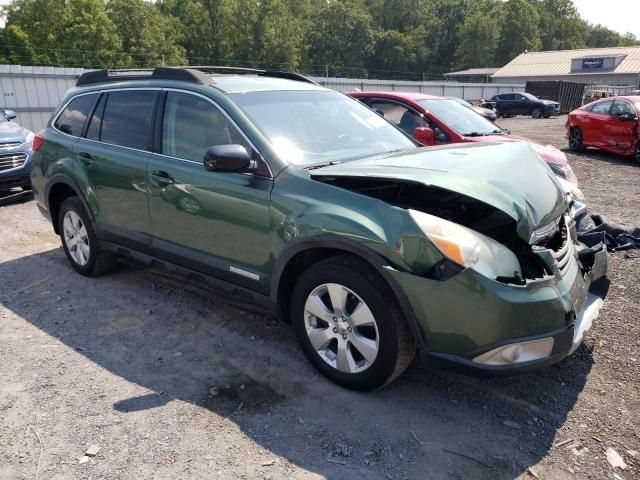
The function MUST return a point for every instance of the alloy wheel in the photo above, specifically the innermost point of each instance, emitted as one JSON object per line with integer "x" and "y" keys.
{"x": 341, "y": 328}
{"x": 576, "y": 139}
{"x": 76, "y": 238}
{"x": 537, "y": 113}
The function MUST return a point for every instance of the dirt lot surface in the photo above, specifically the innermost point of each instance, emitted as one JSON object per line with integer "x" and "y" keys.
{"x": 127, "y": 361}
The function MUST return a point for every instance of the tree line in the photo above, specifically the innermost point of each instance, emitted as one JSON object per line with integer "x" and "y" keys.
{"x": 371, "y": 38}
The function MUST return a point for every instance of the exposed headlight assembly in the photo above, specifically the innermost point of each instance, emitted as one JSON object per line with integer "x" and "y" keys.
{"x": 468, "y": 248}
{"x": 574, "y": 192}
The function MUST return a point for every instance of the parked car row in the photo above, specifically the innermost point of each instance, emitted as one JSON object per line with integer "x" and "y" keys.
{"x": 328, "y": 213}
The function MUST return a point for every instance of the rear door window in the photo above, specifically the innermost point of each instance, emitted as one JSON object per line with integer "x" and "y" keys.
{"x": 71, "y": 120}
{"x": 602, "y": 108}
{"x": 127, "y": 118}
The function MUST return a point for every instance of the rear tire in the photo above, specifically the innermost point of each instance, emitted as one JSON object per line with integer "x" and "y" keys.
{"x": 637, "y": 154}
{"x": 80, "y": 242}
{"x": 536, "y": 112}
{"x": 349, "y": 324}
{"x": 498, "y": 113}
{"x": 575, "y": 140}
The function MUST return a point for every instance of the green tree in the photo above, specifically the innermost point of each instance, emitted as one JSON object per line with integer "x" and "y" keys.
{"x": 342, "y": 35}
{"x": 561, "y": 27}
{"x": 266, "y": 32}
{"x": 478, "y": 37}
{"x": 520, "y": 30}
{"x": 149, "y": 36}
{"x": 34, "y": 25}
{"x": 88, "y": 37}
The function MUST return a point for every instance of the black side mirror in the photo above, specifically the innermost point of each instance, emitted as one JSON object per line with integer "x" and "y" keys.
{"x": 627, "y": 117}
{"x": 10, "y": 114}
{"x": 226, "y": 158}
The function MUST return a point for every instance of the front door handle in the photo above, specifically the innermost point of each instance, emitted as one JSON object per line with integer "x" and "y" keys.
{"x": 86, "y": 159}
{"x": 161, "y": 179}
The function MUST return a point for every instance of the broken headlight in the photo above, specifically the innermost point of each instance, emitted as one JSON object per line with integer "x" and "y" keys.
{"x": 467, "y": 247}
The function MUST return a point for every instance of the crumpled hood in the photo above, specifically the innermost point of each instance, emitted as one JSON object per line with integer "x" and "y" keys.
{"x": 507, "y": 176}
{"x": 549, "y": 153}
{"x": 11, "y": 132}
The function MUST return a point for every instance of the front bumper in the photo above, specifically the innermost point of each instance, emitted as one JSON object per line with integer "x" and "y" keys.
{"x": 16, "y": 177}
{"x": 463, "y": 319}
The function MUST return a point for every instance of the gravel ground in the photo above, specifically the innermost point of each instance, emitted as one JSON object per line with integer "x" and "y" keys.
{"x": 171, "y": 380}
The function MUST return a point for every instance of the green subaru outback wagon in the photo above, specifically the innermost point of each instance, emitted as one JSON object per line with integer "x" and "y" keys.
{"x": 303, "y": 200}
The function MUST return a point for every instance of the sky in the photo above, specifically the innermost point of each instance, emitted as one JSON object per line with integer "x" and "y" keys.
{"x": 623, "y": 16}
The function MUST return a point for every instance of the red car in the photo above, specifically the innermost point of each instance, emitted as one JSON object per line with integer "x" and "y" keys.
{"x": 436, "y": 120}
{"x": 609, "y": 124}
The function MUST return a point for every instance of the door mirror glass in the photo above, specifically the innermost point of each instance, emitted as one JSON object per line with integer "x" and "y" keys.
{"x": 10, "y": 114}
{"x": 424, "y": 135}
{"x": 627, "y": 117}
{"x": 226, "y": 158}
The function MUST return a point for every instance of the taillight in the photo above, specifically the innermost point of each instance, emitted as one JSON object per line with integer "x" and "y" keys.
{"x": 37, "y": 142}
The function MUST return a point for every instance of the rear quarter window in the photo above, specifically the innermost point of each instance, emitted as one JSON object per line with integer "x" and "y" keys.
{"x": 71, "y": 120}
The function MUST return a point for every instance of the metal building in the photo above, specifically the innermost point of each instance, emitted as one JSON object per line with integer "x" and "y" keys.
{"x": 595, "y": 66}
{"x": 480, "y": 75}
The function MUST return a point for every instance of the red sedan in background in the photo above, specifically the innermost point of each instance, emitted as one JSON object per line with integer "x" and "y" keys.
{"x": 435, "y": 120}
{"x": 609, "y": 124}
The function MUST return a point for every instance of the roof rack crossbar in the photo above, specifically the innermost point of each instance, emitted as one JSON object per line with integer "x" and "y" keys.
{"x": 160, "y": 73}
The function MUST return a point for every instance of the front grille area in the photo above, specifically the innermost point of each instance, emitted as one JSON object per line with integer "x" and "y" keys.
{"x": 561, "y": 246}
{"x": 13, "y": 160}
{"x": 9, "y": 144}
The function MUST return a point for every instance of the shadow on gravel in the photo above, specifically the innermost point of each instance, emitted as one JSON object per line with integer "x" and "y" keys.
{"x": 184, "y": 343}
{"x": 595, "y": 154}
{"x": 15, "y": 196}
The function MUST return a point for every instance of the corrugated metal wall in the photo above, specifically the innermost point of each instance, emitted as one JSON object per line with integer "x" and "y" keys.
{"x": 468, "y": 91}
{"x": 34, "y": 92}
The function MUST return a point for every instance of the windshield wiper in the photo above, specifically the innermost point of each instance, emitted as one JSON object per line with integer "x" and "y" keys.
{"x": 321, "y": 165}
{"x": 473, "y": 134}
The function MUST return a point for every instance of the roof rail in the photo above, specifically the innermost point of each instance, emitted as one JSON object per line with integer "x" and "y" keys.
{"x": 185, "y": 74}
{"x": 255, "y": 71}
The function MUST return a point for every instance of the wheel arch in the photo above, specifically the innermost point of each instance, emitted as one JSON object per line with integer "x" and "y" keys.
{"x": 304, "y": 253}
{"x": 60, "y": 187}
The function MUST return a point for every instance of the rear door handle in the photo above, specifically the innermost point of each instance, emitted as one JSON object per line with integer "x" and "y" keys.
{"x": 86, "y": 159}
{"x": 161, "y": 179}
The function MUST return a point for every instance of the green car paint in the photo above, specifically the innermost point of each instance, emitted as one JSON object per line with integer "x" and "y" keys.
{"x": 246, "y": 226}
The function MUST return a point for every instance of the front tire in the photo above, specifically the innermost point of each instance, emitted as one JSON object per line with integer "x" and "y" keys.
{"x": 536, "y": 112}
{"x": 349, "y": 325}
{"x": 80, "y": 242}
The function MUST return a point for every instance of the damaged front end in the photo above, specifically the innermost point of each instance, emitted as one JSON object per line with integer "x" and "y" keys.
{"x": 515, "y": 290}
